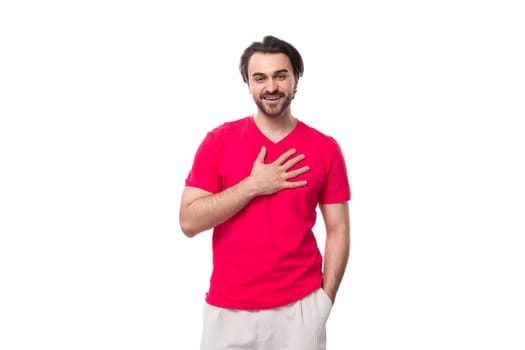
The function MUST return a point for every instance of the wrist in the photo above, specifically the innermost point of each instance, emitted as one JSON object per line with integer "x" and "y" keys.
{"x": 330, "y": 294}
{"x": 330, "y": 291}
{"x": 249, "y": 186}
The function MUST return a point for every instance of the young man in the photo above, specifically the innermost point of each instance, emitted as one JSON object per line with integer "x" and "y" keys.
{"x": 257, "y": 182}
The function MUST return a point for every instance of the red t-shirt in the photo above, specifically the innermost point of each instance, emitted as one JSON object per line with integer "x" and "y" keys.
{"x": 266, "y": 255}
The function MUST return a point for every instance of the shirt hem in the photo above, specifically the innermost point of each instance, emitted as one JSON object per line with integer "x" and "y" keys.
{"x": 265, "y": 306}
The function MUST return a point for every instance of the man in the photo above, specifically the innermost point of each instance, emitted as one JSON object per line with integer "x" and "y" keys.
{"x": 257, "y": 182}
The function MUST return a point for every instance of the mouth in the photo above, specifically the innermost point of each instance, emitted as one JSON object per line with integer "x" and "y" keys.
{"x": 272, "y": 97}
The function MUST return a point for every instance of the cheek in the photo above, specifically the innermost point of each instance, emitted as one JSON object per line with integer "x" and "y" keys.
{"x": 255, "y": 92}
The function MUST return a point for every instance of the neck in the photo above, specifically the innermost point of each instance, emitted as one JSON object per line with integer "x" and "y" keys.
{"x": 283, "y": 121}
{"x": 275, "y": 127}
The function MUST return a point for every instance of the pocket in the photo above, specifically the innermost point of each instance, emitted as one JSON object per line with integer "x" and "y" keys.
{"x": 324, "y": 304}
{"x": 323, "y": 292}
{"x": 314, "y": 313}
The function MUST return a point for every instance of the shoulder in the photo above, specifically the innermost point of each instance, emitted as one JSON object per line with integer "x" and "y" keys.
{"x": 318, "y": 137}
{"x": 230, "y": 128}
{"x": 230, "y": 134}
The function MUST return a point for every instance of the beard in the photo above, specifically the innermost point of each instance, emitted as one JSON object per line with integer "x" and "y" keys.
{"x": 274, "y": 109}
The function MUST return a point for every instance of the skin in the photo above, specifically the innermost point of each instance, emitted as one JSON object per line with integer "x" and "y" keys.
{"x": 272, "y": 85}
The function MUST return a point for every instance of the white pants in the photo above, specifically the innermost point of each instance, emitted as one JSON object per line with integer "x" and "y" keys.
{"x": 297, "y": 326}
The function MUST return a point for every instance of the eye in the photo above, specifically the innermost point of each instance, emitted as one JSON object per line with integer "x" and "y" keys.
{"x": 259, "y": 79}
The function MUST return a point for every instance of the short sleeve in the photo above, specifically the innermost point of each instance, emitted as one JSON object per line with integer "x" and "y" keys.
{"x": 336, "y": 188}
{"x": 204, "y": 171}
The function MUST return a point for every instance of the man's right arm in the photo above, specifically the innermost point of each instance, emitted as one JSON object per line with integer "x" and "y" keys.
{"x": 201, "y": 210}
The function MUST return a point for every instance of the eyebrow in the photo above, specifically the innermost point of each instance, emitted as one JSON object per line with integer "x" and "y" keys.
{"x": 274, "y": 73}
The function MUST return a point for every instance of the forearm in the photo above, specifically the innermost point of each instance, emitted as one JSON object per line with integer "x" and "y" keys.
{"x": 201, "y": 210}
{"x": 206, "y": 212}
{"x": 337, "y": 250}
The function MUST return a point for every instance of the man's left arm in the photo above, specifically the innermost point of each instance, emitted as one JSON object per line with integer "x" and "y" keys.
{"x": 337, "y": 247}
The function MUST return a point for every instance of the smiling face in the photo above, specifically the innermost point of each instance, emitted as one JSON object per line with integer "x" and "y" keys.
{"x": 272, "y": 83}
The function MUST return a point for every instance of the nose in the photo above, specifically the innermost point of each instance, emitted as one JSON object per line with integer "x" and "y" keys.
{"x": 271, "y": 85}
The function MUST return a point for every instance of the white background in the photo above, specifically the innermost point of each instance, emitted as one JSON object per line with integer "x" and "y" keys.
{"x": 103, "y": 103}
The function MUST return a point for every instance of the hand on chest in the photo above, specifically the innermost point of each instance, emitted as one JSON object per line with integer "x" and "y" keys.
{"x": 238, "y": 161}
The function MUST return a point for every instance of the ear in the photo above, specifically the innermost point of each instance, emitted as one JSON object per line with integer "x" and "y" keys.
{"x": 296, "y": 84}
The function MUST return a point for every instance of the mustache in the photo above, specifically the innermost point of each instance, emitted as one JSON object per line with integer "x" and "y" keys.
{"x": 273, "y": 93}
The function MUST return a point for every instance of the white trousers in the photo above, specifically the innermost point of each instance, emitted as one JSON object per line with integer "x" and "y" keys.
{"x": 297, "y": 326}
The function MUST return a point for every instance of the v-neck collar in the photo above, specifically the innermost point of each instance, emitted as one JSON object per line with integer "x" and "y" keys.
{"x": 282, "y": 140}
